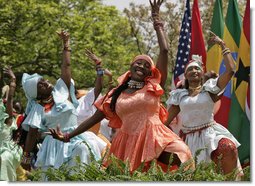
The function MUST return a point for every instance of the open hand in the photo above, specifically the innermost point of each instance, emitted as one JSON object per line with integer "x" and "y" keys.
{"x": 155, "y": 6}
{"x": 64, "y": 35}
{"x": 8, "y": 71}
{"x": 92, "y": 56}
{"x": 214, "y": 39}
{"x": 56, "y": 134}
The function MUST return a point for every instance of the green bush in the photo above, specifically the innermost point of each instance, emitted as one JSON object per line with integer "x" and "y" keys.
{"x": 119, "y": 171}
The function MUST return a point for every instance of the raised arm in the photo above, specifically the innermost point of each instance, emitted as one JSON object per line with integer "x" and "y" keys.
{"x": 9, "y": 104}
{"x": 100, "y": 72}
{"x": 84, "y": 126}
{"x": 226, "y": 76}
{"x": 110, "y": 81}
{"x": 162, "y": 62}
{"x": 66, "y": 63}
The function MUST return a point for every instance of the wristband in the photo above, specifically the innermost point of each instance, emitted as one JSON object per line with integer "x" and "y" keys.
{"x": 100, "y": 72}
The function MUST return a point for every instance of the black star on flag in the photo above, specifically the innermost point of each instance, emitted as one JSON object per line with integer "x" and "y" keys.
{"x": 242, "y": 74}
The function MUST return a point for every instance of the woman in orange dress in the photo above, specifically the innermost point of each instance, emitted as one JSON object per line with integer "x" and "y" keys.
{"x": 134, "y": 108}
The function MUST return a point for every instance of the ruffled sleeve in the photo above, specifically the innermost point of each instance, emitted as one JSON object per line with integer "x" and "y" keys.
{"x": 163, "y": 113}
{"x": 153, "y": 83}
{"x": 34, "y": 118}
{"x": 61, "y": 94}
{"x": 103, "y": 104}
{"x": 176, "y": 96}
{"x": 211, "y": 86}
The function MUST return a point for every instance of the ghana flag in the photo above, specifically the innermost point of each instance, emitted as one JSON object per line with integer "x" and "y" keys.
{"x": 239, "y": 123}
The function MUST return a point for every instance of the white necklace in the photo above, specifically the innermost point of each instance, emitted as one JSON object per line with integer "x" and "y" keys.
{"x": 135, "y": 84}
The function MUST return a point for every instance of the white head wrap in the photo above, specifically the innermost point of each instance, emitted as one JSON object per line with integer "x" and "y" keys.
{"x": 196, "y": 60}
{"x": 29, "y": 84}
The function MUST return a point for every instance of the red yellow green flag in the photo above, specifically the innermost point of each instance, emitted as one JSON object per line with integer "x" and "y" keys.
{"x": 239, "y": 123}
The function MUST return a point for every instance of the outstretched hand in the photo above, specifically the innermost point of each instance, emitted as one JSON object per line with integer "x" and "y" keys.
{"x": 64, "y": 35}
{"x": 214, "y": 39}
{"x": 8, "y": 71}
{"x": 155, "y": 6}
{"x": 92, "y": 56}
{"x": 56, "y": 134}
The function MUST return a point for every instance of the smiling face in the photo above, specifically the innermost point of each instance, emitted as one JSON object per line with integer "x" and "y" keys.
{"x": 44, "y": 89}
{"x": 194, "y": 73}
{"x": 140, "y": 69}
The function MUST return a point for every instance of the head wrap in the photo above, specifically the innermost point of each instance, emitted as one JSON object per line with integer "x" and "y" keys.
{"x": 29, "y": 84}
{"x": 196, "y": 60}
{"x": 144, "y": 57}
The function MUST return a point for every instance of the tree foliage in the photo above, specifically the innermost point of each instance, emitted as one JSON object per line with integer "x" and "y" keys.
{"x": 28, "y": 41}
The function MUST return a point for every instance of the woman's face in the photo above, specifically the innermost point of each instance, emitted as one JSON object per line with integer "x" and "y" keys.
{"x": 194, "y": 73}
{"x": 44, "y": 89}
{"x": 140, "y": 69}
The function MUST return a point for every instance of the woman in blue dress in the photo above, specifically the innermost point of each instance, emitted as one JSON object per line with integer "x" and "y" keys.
{"x": 51, "y": 106}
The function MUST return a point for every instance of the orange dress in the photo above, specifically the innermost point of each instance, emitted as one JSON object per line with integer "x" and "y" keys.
{"x": 139, "y": 117}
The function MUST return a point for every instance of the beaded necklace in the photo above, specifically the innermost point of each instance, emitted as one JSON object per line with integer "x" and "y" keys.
{"x": 135, "y": 84}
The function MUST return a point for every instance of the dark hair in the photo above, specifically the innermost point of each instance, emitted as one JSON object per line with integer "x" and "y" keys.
{"x": 117, "y": 93}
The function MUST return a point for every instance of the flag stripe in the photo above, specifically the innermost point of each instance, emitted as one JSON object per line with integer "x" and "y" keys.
{"x": 197, "y": 39}
{"x": 233, "y": 21}
{"x": 183, "y": 47}
{"x": 214, "y": 56}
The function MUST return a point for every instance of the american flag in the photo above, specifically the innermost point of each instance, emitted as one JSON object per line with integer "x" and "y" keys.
{"x": 183, "y": 47}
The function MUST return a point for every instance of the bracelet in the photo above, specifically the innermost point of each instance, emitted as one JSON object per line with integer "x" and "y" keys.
{"x": 100, "y": 72}
{"x": 13, "y": 80}
{"x": 226, "y": 51}
{"x": 28, "y": 154}
{"x": 66, "y": 48}
{"x": 98, "y": 62}
{"x": 26, "y": 160}
{"x": 158, "y": 24}
{"x": 66, "y": 137}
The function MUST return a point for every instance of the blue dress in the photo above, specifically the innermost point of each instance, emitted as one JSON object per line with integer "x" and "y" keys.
{"x": 54, "y": 152}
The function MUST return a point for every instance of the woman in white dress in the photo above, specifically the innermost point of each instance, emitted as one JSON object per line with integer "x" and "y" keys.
{"x": 195, "y": 106}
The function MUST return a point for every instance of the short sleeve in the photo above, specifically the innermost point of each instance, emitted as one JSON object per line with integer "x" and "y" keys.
{"x": 34, "y": 118}
{"x": 176, "y": 96}
{"x": 103, "y": 104}
{"x": 211, "y": 86}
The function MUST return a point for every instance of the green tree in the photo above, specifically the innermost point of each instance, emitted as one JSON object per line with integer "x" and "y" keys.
{"x": 28, "y": 41}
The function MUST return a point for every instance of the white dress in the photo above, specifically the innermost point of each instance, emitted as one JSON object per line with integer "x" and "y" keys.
{"x": 196, "y": 113}
{"x": 86, "y": 109}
